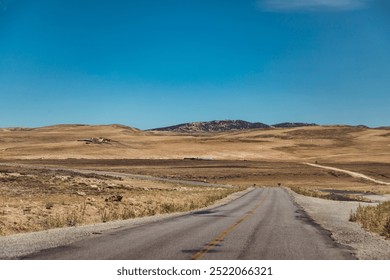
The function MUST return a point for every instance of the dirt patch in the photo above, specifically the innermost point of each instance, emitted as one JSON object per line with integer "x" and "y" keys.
{"x": 232, "y": 172}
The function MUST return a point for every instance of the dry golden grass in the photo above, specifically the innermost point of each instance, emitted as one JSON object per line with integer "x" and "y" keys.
{"x": 329, "y": 143}
{"x": 324, "y": 194}
{"x": 32, "y": 199}
{"x": 374, "y": 218}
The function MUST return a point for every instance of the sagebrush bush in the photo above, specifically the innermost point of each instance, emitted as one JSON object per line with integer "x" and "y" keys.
{"x": 374, "y": 218}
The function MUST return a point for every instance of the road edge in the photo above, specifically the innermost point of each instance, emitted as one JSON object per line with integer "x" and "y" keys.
{"x": 365, "y": 245}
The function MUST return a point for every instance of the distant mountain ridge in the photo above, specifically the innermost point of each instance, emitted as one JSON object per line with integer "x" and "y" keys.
{"x": 225, "y": 125}
{"x": 293, "y": 124}
{"x": 212, "y": 126}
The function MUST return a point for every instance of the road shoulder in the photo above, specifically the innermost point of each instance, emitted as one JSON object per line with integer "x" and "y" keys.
{"x": 334, "y": 216}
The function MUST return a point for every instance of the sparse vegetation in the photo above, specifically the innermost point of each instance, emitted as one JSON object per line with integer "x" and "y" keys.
{"x": 308, "y": 192}
{"x": 328, "y": 194}
{"x": 155, "y": 202}
{"x": 42, "y": 199}
{"x": 374, "y": 218}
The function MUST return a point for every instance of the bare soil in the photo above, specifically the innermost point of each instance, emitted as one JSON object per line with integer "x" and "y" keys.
{"x": 234, "y": 172}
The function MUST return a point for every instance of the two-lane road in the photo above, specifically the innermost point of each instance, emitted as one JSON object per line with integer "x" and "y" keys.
{"x": 263, "y": 224}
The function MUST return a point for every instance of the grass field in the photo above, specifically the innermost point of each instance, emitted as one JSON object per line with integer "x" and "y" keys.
{"x": 36, "y": 199}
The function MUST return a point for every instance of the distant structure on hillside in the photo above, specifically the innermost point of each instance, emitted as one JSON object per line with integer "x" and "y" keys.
{"x": 99, "y": 140}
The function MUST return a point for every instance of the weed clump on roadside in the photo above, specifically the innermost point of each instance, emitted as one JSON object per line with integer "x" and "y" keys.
{"x": 329, "y": 196}
{"x": 308, "y": 192}
{"x": 374, "y": 218}
{"x": 163, "y": 202}
{"x": 71, "y": 218}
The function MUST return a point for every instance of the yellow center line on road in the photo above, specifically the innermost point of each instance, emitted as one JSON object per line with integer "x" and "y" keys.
{"x": 222, "y": 235}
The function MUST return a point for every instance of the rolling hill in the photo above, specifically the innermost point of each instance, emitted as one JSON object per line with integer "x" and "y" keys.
{"x": 307, "y": 143}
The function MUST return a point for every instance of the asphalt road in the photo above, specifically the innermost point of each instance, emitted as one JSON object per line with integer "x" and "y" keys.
{"x": 263, "y": 224}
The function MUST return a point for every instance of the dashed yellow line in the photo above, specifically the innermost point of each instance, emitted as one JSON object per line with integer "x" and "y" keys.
{"x": 223, "y": 234}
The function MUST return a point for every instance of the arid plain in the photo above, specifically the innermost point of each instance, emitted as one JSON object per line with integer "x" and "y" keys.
{"x": 43, "y": 184}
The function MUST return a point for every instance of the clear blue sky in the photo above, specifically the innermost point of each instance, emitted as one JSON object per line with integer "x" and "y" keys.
{"x": 161, "y": 62}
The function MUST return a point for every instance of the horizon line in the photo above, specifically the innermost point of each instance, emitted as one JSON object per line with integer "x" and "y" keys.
{"x": 146, "y": 129}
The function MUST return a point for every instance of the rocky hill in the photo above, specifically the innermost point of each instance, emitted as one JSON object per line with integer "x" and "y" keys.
{"x": 213, "y": 126}
{"x": 293, "y": 124}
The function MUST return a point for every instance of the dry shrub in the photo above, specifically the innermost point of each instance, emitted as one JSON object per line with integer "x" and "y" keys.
{"x": 49, "y": 205}
{"x": 308, "y": 192}
{"x": 73, "y": 217}
{"x": 152, "y": 202}
{"x": 329, "y": 196}
{"x": 374, "y": 218}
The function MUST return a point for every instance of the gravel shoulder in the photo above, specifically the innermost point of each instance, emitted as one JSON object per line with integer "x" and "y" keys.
{"x": 18, "y": 245}
{"x": 334, "y": 216}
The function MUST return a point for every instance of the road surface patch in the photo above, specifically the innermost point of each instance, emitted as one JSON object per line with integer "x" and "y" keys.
{"x": 216, "y": 241}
